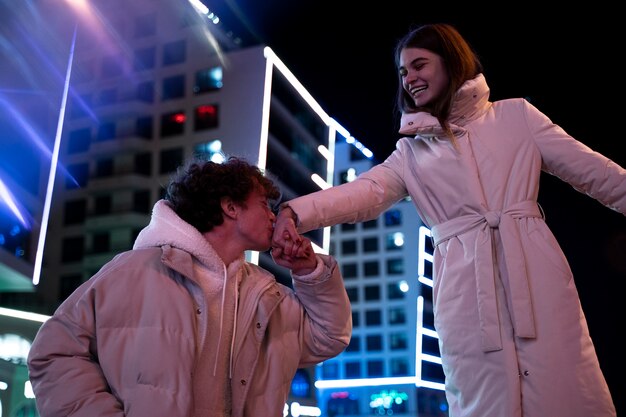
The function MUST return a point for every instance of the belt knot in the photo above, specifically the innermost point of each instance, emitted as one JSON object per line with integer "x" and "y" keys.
{"x": 493, "y": 219}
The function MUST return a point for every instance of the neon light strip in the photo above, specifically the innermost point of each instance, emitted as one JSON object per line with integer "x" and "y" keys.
{"x": 23, "y": 315}
{"x": 53, "y": 168}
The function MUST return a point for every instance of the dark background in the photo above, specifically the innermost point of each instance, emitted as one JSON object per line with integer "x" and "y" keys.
{"x": 566, "y": 61}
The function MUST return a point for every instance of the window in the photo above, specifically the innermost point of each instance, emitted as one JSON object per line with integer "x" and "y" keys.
{"x": 208, "y": 80}
{"x": 353, "y": 370}
{"x": 399, "y": 367}
{"x": 397, "y": 315}
{"x": 394, "y": 241}
{"x": 353, "y": 294}
{"x": 170, "y": 160}
{"x": 101, "y": 242}
{"x": 370, "y": 224}
{"x": 78, "y": 176}
{"x": 393, "y": 218}
{"x": 174, "y": 52}
{"x": 370, "y": 244}
{"x": 347, "y": 227}
{"x": 104, "y": 167}
{"x": 206, "y": 117}
{"x": 103, "y": 205}
{"x": 371, "y": 268}
{"x": 79, "y": 141}
{"x": 373, "y": 318}
{"x": 144, "y": 59}
{"x": 145, "y": 25}
{"x": 349, "y": 270}
{"x": 143, "y": 127}
{"x": 330, "y": 370}
{"x": 395, "y": 266}
{"x": 173, "y": 87}
{"x": 72, "y": 249}
{"x": 374, "y": 343}
{"x": 372, "y": 293}
{"x": 354, "y": 345}
{"x": 67, "y": 286}
{"x": 348, "y": 247}
{"x": 398, "y": 341}
{"x": 173, "y": 123}
{"x": 145, "y": 92}
{"x": 75, "y": 211}
{"x": 143, "y": 164}
{"x": 375, "y": 368}
{"x": 141, "y": 201}
{"x": 106, "y": 131}
{"x": 394, "y": 292}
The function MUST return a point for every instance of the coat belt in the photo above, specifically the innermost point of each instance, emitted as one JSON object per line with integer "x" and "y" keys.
{"x": 485, "y": 264}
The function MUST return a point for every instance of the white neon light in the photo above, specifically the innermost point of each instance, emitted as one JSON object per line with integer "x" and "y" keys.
{"x": 425, "y": 281}
{"x": 23, "y": 315}
{"x": 298, "y": 410}
{"x": 323, "y": 150}
{"x": 53, "y": 169}
{"x": 265, "y": 116}
{"x": 3, "y": 386}
{"x": 28, "y": 390}
{"x": 320, "y": 181}
{"x": 271, "y": 56}
{"x": 422, "y": 255}
{"x": 418, "y": 337}
{"x": 199, "y": 6}
{"x": 365, "y": 382}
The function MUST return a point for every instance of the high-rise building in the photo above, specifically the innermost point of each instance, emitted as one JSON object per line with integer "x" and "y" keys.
{"x": 392, "y": 365}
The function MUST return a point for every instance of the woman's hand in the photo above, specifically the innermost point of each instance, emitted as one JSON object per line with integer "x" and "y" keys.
{"x": 286, "y": 235}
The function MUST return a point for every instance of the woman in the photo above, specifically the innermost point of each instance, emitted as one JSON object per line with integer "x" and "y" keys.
{"x": 514, "y": 341}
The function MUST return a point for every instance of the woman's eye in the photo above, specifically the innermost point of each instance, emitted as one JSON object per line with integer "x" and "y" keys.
{"x": 403, "y": 72}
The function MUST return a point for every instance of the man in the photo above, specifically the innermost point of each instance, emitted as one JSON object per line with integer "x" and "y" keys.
{"x": 182, "y": 325}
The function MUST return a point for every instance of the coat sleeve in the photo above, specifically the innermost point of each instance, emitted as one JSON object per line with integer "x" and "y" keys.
{"x": 365, "y": 198}
{"x": 575, "y": 163}
{"x": 63, "y": 364}
{"x": 327, "y": 318}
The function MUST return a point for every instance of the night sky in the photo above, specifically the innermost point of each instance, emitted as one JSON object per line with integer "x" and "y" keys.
{"x": 564, "y": 61}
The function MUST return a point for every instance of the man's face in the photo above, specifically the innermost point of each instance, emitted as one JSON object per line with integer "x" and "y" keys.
{"x": 256, "y": 222}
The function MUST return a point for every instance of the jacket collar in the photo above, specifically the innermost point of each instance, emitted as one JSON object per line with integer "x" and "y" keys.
{"x": 471, "y": 101}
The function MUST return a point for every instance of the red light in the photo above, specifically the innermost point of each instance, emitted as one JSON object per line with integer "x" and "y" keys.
{"x": 206, "y": 110}
{"x": 179, "y": 118}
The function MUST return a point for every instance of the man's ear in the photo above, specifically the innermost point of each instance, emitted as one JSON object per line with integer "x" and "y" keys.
{"x": 229, "y": 208}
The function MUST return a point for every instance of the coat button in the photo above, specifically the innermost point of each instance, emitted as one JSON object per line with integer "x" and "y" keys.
{"x": 243, "y": 382}
{"x": 526, "y": 373}
{"x": 410, "y": 123}
{"x": 198, "y": 311}
{"x": 258, "y": 325}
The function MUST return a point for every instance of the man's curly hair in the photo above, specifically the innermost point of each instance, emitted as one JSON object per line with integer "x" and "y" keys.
{"x": 196, "y": 191}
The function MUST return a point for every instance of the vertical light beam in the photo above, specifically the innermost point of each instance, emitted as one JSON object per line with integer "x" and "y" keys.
{"x": 53, "y": 168}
